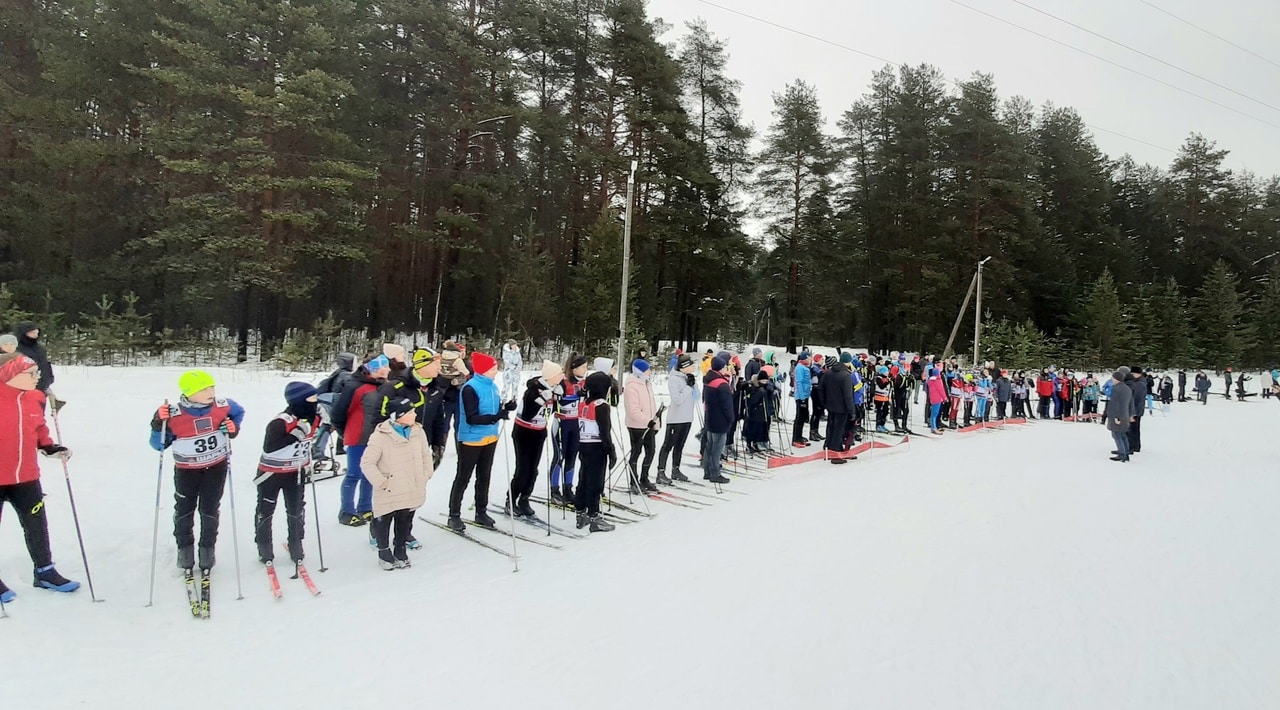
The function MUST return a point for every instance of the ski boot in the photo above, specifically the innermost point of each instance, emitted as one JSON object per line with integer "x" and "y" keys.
{"x": 557, "y": 497}
{"x": 523, "y": 507}
{"x": 6, "y": 594}
{"x": 679, "y": 477}
{"x": 635, "y": 488}
{"x": 367, "y": 516}
{"x": 646, "y": 485}
{"x": 567, "y": 494}
{"x": 718, "y": 479}
{"x": 186, "y": 557}
{"x": 386, "y": 560}
{"x": 582, "y": 519}
{"x": 48, "y": 578}
{"x": 295, "y": 551}
{"x": 662, "y": 478}
{"x": 599, "y": 524}
{"x": 881, "y": 430}
{"x": 265, "y": 554}
{"x": 455, "y": 524}
{"x": 350, "y": 520}
{"x": 413, "y": 543}
{"x": 402, "y": 557}
{"x": 483, "y": 520}
{"x": 207, "y": 559}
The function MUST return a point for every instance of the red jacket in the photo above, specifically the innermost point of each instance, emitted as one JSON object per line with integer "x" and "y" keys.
{"x": 1044, "y": 387}
{"x": 22, "y": 434}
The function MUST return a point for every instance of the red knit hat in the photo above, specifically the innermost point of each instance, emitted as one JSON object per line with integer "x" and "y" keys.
{"x": 14, "y": 366}
{"x": 482, "y": 364}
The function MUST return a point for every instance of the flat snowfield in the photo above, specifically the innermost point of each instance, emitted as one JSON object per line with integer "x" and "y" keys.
{"x": 1004, "y": 569}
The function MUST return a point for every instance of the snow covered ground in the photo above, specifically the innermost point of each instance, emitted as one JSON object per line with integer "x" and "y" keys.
{"x": 1003, "y": 569}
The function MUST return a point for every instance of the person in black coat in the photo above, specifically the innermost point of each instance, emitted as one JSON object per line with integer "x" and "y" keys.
{"x": 1182, "y": 385}
{"x": 837, "y": 390}
{"x": 1137, "y": 385}
{"x": 28, "y": 335}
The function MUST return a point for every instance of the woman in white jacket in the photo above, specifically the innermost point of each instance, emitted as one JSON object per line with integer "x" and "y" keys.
{"x": 682, "y": 385}
{"x": 642, "y": 423}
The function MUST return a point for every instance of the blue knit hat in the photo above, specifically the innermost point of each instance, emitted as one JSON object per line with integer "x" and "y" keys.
{"x": 640, "y": 365}
{"x": 298, "y": 392}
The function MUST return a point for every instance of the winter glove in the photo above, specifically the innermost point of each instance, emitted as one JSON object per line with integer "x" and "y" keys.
{"x": 613, "y": 458}
{"x": 229, "y": 428}
{"x": 510, "y": 406}
{"x": 690, "y": 379}
{"x": 301, "y": 430}
{"x": 57, "y": 451}
{"x": 504, "y": 413}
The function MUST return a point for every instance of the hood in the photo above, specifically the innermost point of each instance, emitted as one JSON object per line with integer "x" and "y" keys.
{"x": 598, "y": 385}
{"x": 603, "y": 364}
{"x": 346, "y": 361}
{"x": 20, "y": 330}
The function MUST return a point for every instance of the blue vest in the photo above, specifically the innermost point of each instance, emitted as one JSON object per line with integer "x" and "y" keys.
{"x": 490, "y": 402}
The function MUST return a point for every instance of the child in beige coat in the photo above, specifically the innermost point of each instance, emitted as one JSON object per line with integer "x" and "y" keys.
{"x": 397, "y": 463}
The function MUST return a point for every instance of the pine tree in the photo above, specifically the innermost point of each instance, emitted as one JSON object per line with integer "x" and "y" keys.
{"x": 1107, "y": 327}
{"x": 794, "y": 165}
{"x": 1222, "y": 334}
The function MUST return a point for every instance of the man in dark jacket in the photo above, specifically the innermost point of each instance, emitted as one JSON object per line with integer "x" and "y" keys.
{"x": 1138, "y": 386}
{"x": 717, "y": 397}
{"x": 28, "y": 335}
{"x": 1119, "y": 415}
{"x": 1182, "y": 385}
{"x": 1004, "y": 393}
{"x": 837, "y": 390}
{"x": 327, "y": 394}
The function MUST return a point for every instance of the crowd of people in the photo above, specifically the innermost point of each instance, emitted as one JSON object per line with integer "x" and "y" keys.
{"x": 392, "y": 414}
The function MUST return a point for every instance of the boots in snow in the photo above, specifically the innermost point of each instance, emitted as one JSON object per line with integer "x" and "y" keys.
{"x": 524, "y": 508}
{"x": 582, "y": 519}
{"x": 386, "y": 560}
{"x": 455, "y": 524}
{"x": 187, "y": 557}
{"x": 350, "y": 519}
{"x": 413, "y": 543}
{"x": 484, "y": 521}
{"x": 568, "y": 494}
{"x": 265, "y": 554}
{"x": 557, "y": 496}
{"x": 599, "y": 524}
{"x": 295, "y": 551}
{"x": 679, "y": 477}
{"x": 48, "y": 578}
{"x": 207, "y": 560}
{"x": 662, "y": 478}
{"x": 402, "y": 557}
{"x": 646, "y": 485}
{"x": 6, "y": 594}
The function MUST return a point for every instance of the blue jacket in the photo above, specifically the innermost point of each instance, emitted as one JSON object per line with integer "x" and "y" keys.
{"x": 804, "y": 382}
{"x": 859, "y": 392}
{"x": 478, "y": 427}
{"x": 717, "y": 396}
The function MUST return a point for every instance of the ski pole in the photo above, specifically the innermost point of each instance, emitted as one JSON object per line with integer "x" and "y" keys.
{"x": 235, "y": 536}
{"x": 71, "y": 498}
{"x": 315, "y": 508}
{"x": 515, "y": 559}
{"x": 155, "y": 525}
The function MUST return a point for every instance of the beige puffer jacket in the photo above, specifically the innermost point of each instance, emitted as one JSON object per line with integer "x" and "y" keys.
{"x": 398, "y": 468}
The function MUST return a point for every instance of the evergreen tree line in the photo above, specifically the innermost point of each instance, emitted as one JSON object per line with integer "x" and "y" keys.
{"x": 460, "y": 167}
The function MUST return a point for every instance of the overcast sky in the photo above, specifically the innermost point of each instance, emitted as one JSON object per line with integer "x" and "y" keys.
{"x": 960, "y": 41}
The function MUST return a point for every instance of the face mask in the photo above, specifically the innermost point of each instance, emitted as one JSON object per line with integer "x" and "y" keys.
{"x": 304, "y": 410}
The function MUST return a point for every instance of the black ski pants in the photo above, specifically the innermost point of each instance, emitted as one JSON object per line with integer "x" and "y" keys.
{"x": 403, "y": 521}
{"x": 197, "y": 489}
{"x": 528, "y": 445}
{"x": 28, "y": 500}
{"x": 802, "y": 419}
{"x": 1001, "y": 409}
{"x": 673, "y": 445}
{"x": 477, "y": 460}
{"x": 900, "y": 411}
{"x": 295, "y": 510}
{"x": 882, "y": 414}
{"x": 641, "y": 440}
{"x": 590, "y": 478}
{"x": 1044, "y": 407}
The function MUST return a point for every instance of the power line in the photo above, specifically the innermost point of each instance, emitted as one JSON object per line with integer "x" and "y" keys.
{"x": 1100, "y": 58}
{"x": 847, "y": 48}
{"x": 1220, "y": 38}
{"x": 1153, "y": 58}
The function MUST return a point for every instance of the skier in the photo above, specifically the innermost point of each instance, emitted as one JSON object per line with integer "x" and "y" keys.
{"x": 397, "y": 463}
{"x": 597, "y": 450}
{"x": 512, "y": 362}
{"x": 901, "y": 383}
{"x": 1240, "y": 391}
{"x": 22, "y": 433}
{"x": 801, "y": 391}
{"x": 717, "y": 398}
{"x": 284, "y": 468}
{"x": 642, "y": 425}
{"x": 564, "y": 438}
{"x": 1138, "y": 385}
{"x": 478, "y": 429}
{"x": 935, "y": 395}
{"x": 684, "y": 398}
{"x": 28, "y": 335}
{"x": 358, "y": 397}
{"x": 529, "y": 435}
{"x": 199, "y": 428}
{"x": 1227, "y": 376}
{"x": 1182, "y": 385}
{"x": 816, "y": 397}
{"x": 327, "y": 394}
{"x": 881, "y": 396}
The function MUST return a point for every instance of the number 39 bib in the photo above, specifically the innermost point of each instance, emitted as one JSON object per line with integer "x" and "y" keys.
{"x": 199, "y": 440}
